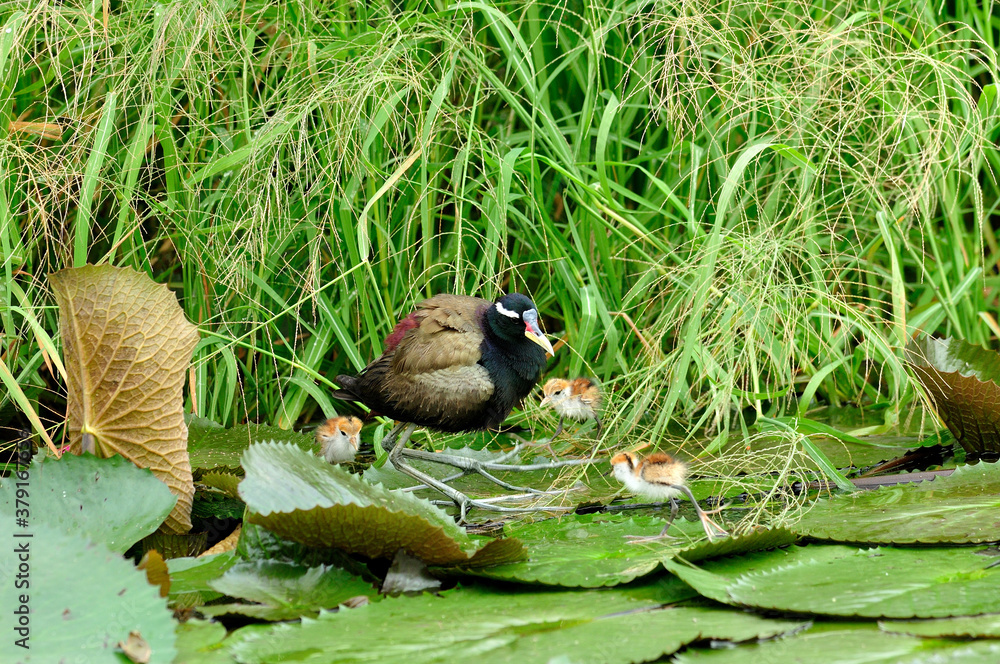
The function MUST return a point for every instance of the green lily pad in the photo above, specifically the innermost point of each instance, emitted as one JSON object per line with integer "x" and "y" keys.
{"x": 849, "y": 645}
{"x": 388, "y": 477}
{"x": 963, "y": 508}
{"x": 83, "y": 495}
{"x": 83, "y": 600}
{"x": 209, "y": 504}
{"x": 197, "y": 421}
{"x": 740, "y": 452}
{"x": 300, "y": 497}
{"x": 190, "y": 578}
{"x": 201, "y": 642}
{"x": 591, "y": 551}
{"x": 961, "y": 379}
{"x": 485, "y": 626}
{"x": 227, "y": 483}
{"x": 257, "y": 543}
{"x": 408, "y": 575}
{"x": 846, "y": 581}
{"x": 282, "y": 591}
{"x": 761, "y": 539}
{"x": 213, "y": 448}
{"x": 975, "y": 627}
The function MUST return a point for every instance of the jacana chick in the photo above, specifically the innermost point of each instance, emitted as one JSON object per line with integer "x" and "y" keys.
{"x": 457, "y": 363}
{"x": 339, "y": 438}
{"x": 661, "y": 477}
{"x": 578, "y": 399}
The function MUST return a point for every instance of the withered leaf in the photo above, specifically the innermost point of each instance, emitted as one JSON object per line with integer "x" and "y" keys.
{"x": 136, "y": 648}
{"x": 127, "y": 347}
{"x": 227, "y": 544}
{"x": 961, "y": 379}
{"x": 155, "y": 567}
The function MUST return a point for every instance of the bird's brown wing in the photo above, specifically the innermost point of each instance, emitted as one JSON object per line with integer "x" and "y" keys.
{"x": 661, "y": 468}
{"x": 433, "y": 372}
{"x": 447, "y": 335}
{"x": 592, "y": 397}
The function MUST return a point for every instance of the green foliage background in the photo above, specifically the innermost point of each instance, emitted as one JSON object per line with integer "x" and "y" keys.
{"x": 722, "y": 207}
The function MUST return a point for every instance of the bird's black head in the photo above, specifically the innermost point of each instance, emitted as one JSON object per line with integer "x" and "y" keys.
{"x": 514, "y": 317}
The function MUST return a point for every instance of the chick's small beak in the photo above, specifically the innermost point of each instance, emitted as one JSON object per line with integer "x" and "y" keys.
{"x": 545, "y": 401}
{"x": 533, "y": 332}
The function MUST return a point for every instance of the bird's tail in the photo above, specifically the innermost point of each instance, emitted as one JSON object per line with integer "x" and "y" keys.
{"x": 346, "y": 391}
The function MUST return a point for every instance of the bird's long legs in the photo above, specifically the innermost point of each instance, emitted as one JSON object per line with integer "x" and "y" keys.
{"x": 462, "y": 473}
{"x": 469, "y": 465}
{"x": 474, "y": 466}
{"x": 558, "y": 428}
{"x": 673, "y": 515}
{"x": 711, "y": 528}
{"x": 401, "y": 435}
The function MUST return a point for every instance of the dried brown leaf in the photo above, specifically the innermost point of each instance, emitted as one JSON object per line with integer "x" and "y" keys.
{"x": 127, "y": 346}
{"x": 155, "y": 567}
{"x": 136, "y": 648}
{"x": 962, "y": 380}
{"x": 228, "y": 544}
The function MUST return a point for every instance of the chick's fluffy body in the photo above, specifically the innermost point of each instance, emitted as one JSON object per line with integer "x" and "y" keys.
{"x": 339, "y": 438}
{"x": 659, "y": 476}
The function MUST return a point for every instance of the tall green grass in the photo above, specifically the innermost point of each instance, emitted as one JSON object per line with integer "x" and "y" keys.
{"x": 726, "y": 210}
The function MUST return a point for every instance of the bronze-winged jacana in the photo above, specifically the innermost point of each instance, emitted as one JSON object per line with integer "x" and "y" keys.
{"x": 457, "y": 363}
{"x": 661, "y": 477}
{"x": 339, "y": 438}
{"x": 578, "y": 399}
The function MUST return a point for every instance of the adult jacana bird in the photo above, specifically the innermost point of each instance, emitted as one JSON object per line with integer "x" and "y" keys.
{"x": 578, "y": 399}
{"x": 661, "y": 477}
{"x": 457, "y": 363}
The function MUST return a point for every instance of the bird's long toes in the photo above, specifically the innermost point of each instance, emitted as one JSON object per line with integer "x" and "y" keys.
{"x": 635, "y": 539}
{"x": 487, "y": 504}
{"x": 718, "y": 509}
{"x": 544, "y": 444}
{"x": 712, "y": 528}
{"x": 539, "y": 492}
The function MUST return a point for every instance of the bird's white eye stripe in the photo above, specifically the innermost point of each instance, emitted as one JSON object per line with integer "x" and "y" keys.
{"x": 507, "y": 312}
